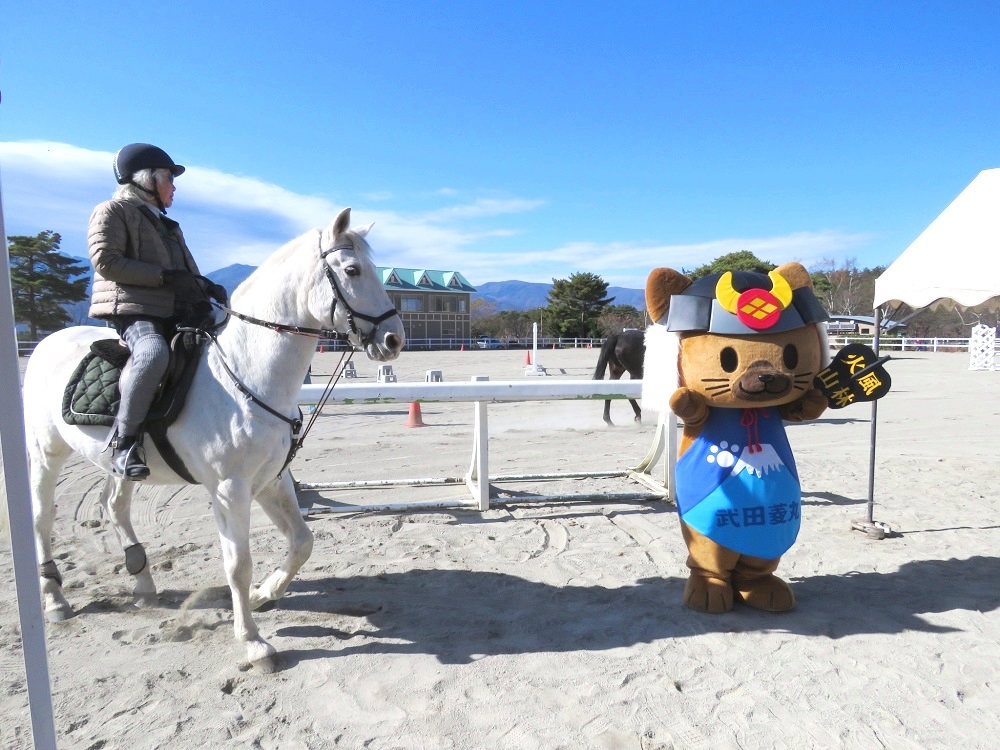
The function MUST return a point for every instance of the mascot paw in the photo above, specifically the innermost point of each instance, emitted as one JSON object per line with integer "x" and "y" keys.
{"x": 689, "y": 405}
{"x": 769, "y": 593}
{"x": 711, "y": 595}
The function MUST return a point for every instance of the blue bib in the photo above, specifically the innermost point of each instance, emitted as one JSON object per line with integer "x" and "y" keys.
{"x": 737, "y": 483}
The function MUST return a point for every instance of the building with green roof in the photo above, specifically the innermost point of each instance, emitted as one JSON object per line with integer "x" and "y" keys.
{"x": 433, "y": 305}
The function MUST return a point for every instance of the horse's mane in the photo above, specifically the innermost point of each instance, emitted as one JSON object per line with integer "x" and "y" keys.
{"x": 284, "y": 253}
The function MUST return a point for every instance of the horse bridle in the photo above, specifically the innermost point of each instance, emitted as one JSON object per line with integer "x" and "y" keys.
{"x": 324, "y": 333}
{"x": 298, "y": 435}
{"x": 351, "y": 312}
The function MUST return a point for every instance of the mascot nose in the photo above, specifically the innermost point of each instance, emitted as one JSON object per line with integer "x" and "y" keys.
{"x": 774, "y": 383}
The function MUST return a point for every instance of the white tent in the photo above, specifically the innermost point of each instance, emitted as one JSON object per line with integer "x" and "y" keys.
{"x": 956, "y": 260}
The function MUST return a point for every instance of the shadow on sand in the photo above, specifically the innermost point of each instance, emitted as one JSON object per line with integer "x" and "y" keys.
{"x": 459, "y": 615}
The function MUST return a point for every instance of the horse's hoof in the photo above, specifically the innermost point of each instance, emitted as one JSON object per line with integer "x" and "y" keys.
{"x": 59, "y": 614}
{"x": 265, "y": 666}
{"x": 144, "y": 601}
{"x": 262, "y": 656}
{"x": 260, "y": 601}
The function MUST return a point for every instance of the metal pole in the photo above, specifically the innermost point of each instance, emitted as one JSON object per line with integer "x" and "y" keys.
{"x": 871, "y": 441}
{"x": 22, "y": 535}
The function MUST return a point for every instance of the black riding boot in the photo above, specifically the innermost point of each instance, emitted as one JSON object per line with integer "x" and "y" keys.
{"x": 129, "y": 459}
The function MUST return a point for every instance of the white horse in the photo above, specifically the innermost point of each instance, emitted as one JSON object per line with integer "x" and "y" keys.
{"x": 234, "y": 445}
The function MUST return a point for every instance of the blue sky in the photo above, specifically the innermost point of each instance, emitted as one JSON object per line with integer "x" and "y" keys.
{"x": 515, "y": 140}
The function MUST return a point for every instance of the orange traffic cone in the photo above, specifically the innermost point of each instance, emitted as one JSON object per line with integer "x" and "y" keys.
{"x": 415, "y": 419}
{"x": 527, "y": 358}
{"x": 463, "y": 348}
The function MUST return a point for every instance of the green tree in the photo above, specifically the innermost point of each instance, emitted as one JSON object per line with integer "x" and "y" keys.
{"x": 43, "y": 282}
{"x": 575, "y": 304}
{"x": 741, "y": 260}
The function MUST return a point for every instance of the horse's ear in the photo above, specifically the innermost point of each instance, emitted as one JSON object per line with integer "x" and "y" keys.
{"x": 341, "y": 223}
{"x": 363, "y": 231}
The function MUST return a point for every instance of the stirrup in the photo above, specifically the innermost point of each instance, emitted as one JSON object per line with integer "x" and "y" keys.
{"x": 128, "y": 459}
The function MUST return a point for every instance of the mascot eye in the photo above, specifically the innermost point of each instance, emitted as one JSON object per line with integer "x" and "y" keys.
{"x": 729, "y": 359}
{"x": 790, "y": 356}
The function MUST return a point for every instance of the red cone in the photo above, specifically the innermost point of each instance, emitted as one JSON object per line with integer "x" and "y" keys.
{"x": 415, "y": 419}
{"x": 527, "y": 358}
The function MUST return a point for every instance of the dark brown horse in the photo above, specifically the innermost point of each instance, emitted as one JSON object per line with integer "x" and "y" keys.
{"x": 621, "y": 353}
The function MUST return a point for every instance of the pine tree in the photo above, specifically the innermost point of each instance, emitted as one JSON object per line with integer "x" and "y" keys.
{"x": 576, "y": 303}
{"x": 43, "y": 282}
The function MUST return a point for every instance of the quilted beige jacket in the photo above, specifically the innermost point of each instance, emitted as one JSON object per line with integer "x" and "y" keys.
{"x": 129, "y": 255}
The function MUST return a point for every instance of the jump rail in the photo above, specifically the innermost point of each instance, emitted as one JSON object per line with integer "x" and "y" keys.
{"x": 481, "y": 392}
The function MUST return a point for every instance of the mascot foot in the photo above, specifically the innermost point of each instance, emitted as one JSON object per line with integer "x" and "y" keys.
{"x": 711, "y": 595}
{"x": 768, "y": 593}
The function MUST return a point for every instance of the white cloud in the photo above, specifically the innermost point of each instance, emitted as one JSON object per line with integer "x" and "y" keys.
{"x": 234, "y": 219}
{"x": 483, "y": 207}
{"x": 628, "y": 264}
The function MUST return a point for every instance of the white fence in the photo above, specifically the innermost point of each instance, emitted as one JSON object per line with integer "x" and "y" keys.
{"x": 888, "y": 343}
{"x": 907, "y": 344}
{"x": 482, "y": 392}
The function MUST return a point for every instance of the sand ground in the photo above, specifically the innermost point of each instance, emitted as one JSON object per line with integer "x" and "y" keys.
{"x": 548, "y": 625}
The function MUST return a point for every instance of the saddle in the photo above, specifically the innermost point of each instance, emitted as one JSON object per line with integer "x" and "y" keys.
{"x": 92, "y": 396}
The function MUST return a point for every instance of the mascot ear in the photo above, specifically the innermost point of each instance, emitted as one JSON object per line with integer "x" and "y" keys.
{"x": 661, "y": 284}
{"x": 795, "y": 274}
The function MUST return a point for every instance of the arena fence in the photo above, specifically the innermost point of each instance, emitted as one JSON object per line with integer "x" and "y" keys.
{"x": 481, "y": 392}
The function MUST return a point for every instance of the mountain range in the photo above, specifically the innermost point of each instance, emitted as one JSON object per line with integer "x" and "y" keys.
{"x": 506, "y": 295}
{"x": 526, "y": 295}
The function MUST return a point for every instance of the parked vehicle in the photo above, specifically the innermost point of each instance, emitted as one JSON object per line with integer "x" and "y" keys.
{"x": 486, "y": 342}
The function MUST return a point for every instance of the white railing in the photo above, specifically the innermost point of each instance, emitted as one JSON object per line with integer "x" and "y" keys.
{"x": 482, "y": 392}
{"x": 907, "y": 343}
{"x": 886, "y": 343}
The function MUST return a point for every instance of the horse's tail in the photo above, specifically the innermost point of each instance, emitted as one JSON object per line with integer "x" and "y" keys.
{"x": 602, "y": 360}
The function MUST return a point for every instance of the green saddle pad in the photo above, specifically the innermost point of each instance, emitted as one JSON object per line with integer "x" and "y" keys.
{"x": 91, "y": 396}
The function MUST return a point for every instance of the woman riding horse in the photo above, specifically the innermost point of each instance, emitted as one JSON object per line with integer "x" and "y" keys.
{"x": 144, "y": 279}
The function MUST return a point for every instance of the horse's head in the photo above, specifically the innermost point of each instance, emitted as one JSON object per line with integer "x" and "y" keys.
{"x": 357, "y": 302}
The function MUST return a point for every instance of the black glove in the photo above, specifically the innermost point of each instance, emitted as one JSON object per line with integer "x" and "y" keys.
{"x": 218, "y": 293}
{"x": 170, "y": 276}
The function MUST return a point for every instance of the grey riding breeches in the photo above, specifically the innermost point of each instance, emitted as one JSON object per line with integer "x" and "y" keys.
{"x": 150, "y": 356}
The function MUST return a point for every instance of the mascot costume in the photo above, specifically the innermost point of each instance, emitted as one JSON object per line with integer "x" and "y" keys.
{"x": 734, "y": 355}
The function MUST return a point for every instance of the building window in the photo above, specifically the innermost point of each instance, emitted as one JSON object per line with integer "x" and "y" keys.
{"x": 411, "y": 304}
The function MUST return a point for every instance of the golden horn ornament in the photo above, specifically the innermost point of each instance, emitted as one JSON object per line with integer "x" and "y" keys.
{"x": 780, "y": 289}
{"x": 725, "y": 293}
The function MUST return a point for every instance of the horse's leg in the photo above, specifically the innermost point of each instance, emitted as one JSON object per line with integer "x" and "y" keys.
{"x": 46, "y": 456}
{"x": 279, "y": 502}
{"x": 231, "y": 505}
{"x": 117, "y": 500}
{"x": 615, "y": 372}
{"x": 635, "y": 374}
{"x": 636, "y": 409}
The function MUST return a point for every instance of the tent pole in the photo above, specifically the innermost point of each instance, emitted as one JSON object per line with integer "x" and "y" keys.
{"x": 22, "y": 534}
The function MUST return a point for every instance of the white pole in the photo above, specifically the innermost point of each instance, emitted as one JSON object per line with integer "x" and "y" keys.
{"x": 481, "y": 455}
{"x": 534, "y": 345}
{"x": 22, "y": 535}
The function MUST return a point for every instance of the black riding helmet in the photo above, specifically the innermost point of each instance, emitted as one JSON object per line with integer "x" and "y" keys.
{"x": 136, "y": 156}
